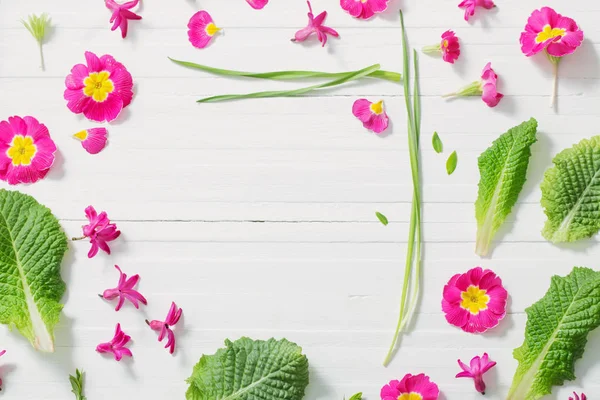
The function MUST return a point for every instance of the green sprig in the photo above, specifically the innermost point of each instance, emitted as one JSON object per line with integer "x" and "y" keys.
{"x": 77, "y": 384}
{"x": 38, "y": 27}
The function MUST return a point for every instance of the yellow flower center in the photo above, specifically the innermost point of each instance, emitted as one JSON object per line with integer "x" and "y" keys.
{"x": 21, "y": 150}
{"x": 445, "y": 44}
{"x": 549, "y": 33}
{"x": 98, "y": 85}
{"x": 410, "y": 396}
{"x": 81, "y": 135}
{"x": 377, "y": 108}
{"x": 212, "y": 29}
{"x": 474, "y": 300}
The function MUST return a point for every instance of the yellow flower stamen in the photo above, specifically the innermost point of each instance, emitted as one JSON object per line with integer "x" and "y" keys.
{"x": 410, "y": 396}
{"x": 377, "y": 108}
{"x": 549, "y": 33}
{"x": 21, "y": 150}
{"x": 474, "y": 300}
{"x": 212, "y": 29}
{"x": 98, "y": 85}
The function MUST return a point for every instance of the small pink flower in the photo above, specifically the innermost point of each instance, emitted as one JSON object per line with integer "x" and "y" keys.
{"x": 121, "y": 14}
{"x": 100, "y": 89}
{"x": 475, "y": 301}
{"x": 201, "y": 29}
{"x": 479, "y": 366}
{"x": 577, "y": 397}
{"x": 100, "y": 231}
{"x": 116, "y": 345}
{"x": 372, "y": 115}
{"x": 469, "y": 6}
{"x": 92, "y": 140}
{"x": 550, "y": 31}
{"x": 449, "y": 47}
{"x": 315, "y": 25}
{"x": 165, "y": 327}
{"x": 257, "y": 4}
{"x": 364, "y": 9}
{"x": 26, "y": 150}
{"x": 124, "y": 290}
{"x": 486, "y": 88}
{"x": 411, "y": 387}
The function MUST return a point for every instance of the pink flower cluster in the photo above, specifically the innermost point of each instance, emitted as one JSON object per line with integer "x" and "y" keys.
{"x": 315, "y": 25}
{"x": 121, "y": 14}
{"x": 364, "y": 9}
{"x": 470, "y": 5}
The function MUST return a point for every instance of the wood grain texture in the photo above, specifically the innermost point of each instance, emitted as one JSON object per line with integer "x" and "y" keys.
{"x": 258, "y": 217}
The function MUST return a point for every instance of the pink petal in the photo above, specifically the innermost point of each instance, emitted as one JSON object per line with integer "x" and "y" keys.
{"x": 107, "y": 110}
{"x": 197, "y": 29}
{"x": 257, "y": 4}
{"x": 96, "y": 140}
{"x": 457, "y": 316}
{"x": 378, "y": 123}
{"x": 362, "y": 110}
{"x": 353, "y": 7}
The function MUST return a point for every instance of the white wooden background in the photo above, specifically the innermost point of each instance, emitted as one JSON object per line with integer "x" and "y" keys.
{"x": 257, "y": 217}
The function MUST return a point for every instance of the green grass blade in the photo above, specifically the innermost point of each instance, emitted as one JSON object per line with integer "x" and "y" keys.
{"x": 296, "y": 92}
{"x": 285, "y": 75}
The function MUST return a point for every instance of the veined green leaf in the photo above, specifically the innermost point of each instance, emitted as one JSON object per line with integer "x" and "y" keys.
{"x": 571, "y": 193}
{"x": 352, "y": 76}
{"x": 451, "y": 163}
{"x": 286, "y": 75}
{"x": 382, "y": 218}
{"x": 32, "y": 246}
{"x": 503, "y": 169}
{"x": 357, "y": 396}
{"x": 77, "y": 385}
{"x": 556, "y": 334}
{"x": 251, "y": 369}
{"x": 437, "y": 143}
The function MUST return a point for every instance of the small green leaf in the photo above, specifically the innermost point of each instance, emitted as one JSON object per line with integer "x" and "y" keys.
{"x": 451, "y": 163}
{"x": 357, "y": 396}
{"x": 437, "y": 143}
{"x": 382, "y": 218}
{"x": 77, "y": 385}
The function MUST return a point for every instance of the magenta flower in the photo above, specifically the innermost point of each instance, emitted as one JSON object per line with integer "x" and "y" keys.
{"x": 165, "y": 327}
{"x": 556, "y": 35}
{"x": 411, "y": 387}
{"x": 372, "y": 115}
{"x": 100, "y": 231}
{"x": 449, "y": 47}
{"x": 257, "y": 4}
{"x": 26, "y": 150}
{"x": 315, "y": 25}
{"x": 475, "y": 301}
{"x": 124, "y": 290}
{"x": 92, "y": 140}
{"x": 100, "y": 89}
{"x": 469, "y": 6}
{"x": 201, "y": 29}
{"x": 121, "y": 14}
{"x": 486, "y": 88}
{"x": 479, "y": 366}
{"x": 364, "y": 9}
{"x": 577, "y": 397}
{"x": 116, "y": 345}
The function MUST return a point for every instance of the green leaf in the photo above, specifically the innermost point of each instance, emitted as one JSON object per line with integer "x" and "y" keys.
{"x": 357, "y": 396}
{"x": 571, "y": 192}
{"x": 451, "y": 163}
{"x": 37, "y": 26}
{"x": 77, "y": 385}
{"x": 251, "y": 369}
{"x": 437, "y": 143}
{"x": 556, "y": 334}
{"x": 503, "y": 168}
{"x": 32, "y": 246}
{"x": 382, "y": 218}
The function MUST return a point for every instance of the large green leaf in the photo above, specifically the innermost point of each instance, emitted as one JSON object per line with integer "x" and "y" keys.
{"x": 503, "y": 168}
{"x": 251, "y": 370}
{"x": 556, "y": 334}
{"x": 571, "y": 193}
{"x": 32, "y": 246}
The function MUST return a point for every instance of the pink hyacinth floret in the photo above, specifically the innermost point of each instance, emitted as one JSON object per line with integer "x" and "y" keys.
{"x": 201, "y": 29}
{"x": 100, "y": 90}
{"x": 26, "y": 150}
{"x": 489, "y": 80}
{"x": 257, "y": 4}
{"x": 372, "y": 115}
{"x": 92, "y": 140}
{"x": 99, "y": 230}
{"x": 125, "y": 291}
{"x": 475, "y": 301}
{"x": 122, "y": 14}
{"x": 578, "y": 397}
{"x": 364, "y": 9}
{"x": 475, "y": 370}
{"x": 164, "y": 327}
{"x": 411, "y": 387}
{"x": 548, "y": 30}
{"x": 470, "y": 5}
{"x": 315, "y": 25}
{"x": 117, "y": 345}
